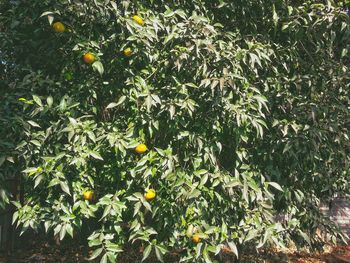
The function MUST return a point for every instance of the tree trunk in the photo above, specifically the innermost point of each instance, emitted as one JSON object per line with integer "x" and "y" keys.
{"x": 7, "y": 229}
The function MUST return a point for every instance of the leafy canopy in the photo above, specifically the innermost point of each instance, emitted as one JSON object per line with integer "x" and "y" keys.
{"x": 243, "y": 106}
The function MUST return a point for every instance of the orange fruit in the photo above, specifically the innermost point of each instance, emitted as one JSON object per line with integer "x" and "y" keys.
{"x": 141, "y": 148}
{"x": 127, "y": 52}
{"x": 89, "y": 58}
{"x": 58, "y": 27}
{"x": 138, "y": 20}
{"x": 88, "y": 195}
{"x": 150, "y": 194}
{"x": 196, "y": 239}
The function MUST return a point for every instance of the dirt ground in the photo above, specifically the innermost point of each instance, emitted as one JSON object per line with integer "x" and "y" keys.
{"x": 39, "y": 250}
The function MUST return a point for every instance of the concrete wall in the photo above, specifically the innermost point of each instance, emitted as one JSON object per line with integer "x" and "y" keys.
{"x": 339, "y": 212}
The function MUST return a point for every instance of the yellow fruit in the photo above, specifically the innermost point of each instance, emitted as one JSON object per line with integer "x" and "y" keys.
{"x": 128, "y": 52}
{"x": 196, "y": 239}
{"x": 138, "y": 20}
{"x": 141, "y": 148}
{"x": 58, "y": 27}
{"x": 150, "y": 194}
{"x": 88, "y": 195}
{"x": 89, "y": 58}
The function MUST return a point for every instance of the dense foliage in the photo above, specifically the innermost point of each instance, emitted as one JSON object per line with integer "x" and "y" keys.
{"x": 243, "y": 105}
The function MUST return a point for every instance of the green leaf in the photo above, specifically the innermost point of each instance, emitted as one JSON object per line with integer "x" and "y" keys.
{"x": 252, "y": 184}
{"x": 114, "y": 248}
{"x": 96, "y": 155}
{"x": 47, "y": 226}
{"x": 38, "y": 179}
{"x": 95, "y": 242}
{"x": 63, "y": 232}
{"x": 199, "y": 249}
{"x": 206, "y": 255}
{"x": 233, "y": 248}
{"x": 276, "y": 185}
{"x": 200, "y": 172}
{"x": 50, "y": 13}
{"x": 53, "y": 182}
{"x": 73, "y": 121}
{"x": 275, "y": 15}
{"x": 111, "y": 257}
{"x": 305, "y": 237}
{"x": 159, "y": 254}
{"x": 49, "y": 101}
{"x": 14, "y": 217}
{"x": 106, "y": 211}
{"x": 146, "y": 252}
{"x": 31, "y": 170}
{"x": 34, "y": 124}
{"x": 104, "y": 259}
{"x": 69, "y": 229}
{"x": 121, "y": 100}
{"x": 97, "y": 65}
{"x": 96, "y": 253}
{"x": 233, "y": 183}
{"x": 113, "y": 104}
{"x": 37, "y": 100}
{"x": 65, "y": 187}
{"x": 46, "y": 13}
{"x": 251, "y": 235}
{"x": 35, "y": 142}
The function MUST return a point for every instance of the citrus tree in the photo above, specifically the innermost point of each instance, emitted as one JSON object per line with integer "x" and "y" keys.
{"x": 186, "y": 125}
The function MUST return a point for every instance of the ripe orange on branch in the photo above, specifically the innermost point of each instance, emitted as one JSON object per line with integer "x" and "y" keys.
{"x": 59, "y": 27}
{"x": 138, "y": 20}
{"x": 141, "y": 148}
{"x": 89, "y": 58}
{"x": 127, "y": 52}
{"x": 88, "y": 195}
{"x": 150, "y": 194}
{"x": 196, "y": 239}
